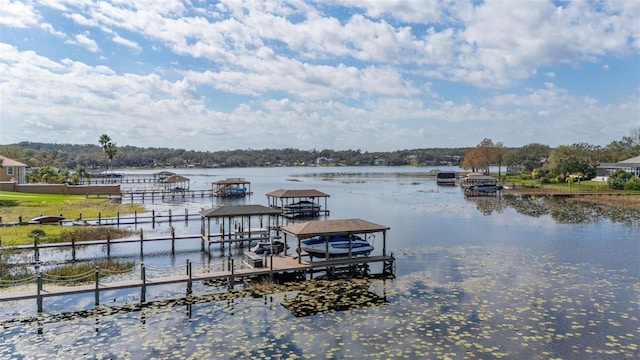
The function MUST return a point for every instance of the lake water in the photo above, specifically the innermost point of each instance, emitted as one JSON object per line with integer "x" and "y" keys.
{"x": 476, "y": 278}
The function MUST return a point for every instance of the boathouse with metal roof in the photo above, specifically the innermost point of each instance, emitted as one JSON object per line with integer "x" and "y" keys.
{"x": 327, "y": 228}
{"x": 238, "y": 223}
{"x": 232, "y": 187}
{"x": 298, "y": 202}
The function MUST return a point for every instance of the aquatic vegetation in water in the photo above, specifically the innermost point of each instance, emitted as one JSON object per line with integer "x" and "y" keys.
{"x": 570, "y": 212}
{"x": 473, "y": 302}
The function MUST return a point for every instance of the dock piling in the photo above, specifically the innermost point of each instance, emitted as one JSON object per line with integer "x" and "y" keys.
{"x": 97, "y": 294}
{"x": 231, "y": 277}
{"x": 143, "y": 288}
{"x": 173, "y": 240}
{"x": 36, "y": 251}
{"x": 141, "y": 243}
{"x": 39, "y": 292}
{"x": 190, "y": 274}
{"x": 108, "y": 244}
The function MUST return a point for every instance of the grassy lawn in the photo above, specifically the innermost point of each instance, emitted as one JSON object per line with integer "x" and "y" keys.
{"x": 13, "y": 205}
{"x": 28, "y": 205}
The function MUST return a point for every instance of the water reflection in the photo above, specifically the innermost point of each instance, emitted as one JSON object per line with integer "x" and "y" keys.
{"x": 566, "y": 211}
{"x": 484, "y": 277}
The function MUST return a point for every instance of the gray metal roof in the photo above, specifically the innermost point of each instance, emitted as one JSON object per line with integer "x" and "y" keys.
{"x": 283, "y": 193}
{"x": 240, "y": 210}
{"x": 309, "y": 229}
{"x": 176, "y": 178}
{"x": 633, "y": 160}
{"x": 232, "y": 181}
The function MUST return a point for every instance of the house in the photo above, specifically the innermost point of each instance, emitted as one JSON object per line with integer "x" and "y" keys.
{"x": 12, "y": 170}
{"x": 630, "y": 165}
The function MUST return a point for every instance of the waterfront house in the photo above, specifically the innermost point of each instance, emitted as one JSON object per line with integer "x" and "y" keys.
{"x": 12, "y": 170}
{"x": 630, "y": 165}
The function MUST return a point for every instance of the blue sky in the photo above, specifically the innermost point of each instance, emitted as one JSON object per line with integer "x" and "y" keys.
{"x": 337, "y": 74}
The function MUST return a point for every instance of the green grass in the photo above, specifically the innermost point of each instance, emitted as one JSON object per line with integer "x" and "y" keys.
{"x": 38, "y": 198}
{"x": 28, "y": 205}
{"x": 13, "y": 205}
{"x": 71, "y": 271}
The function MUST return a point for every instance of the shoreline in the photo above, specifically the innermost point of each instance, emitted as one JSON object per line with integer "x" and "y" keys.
{"x": 616, "y": 198}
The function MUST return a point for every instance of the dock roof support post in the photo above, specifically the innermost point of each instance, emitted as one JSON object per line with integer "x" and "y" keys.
{"x": 326, "y": 247}
{"x": 271, "y": 266}
{"x": 298, "y": 249}
{"x": 384, "y": 243}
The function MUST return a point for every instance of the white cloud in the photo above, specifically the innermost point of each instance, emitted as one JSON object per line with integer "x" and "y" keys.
{"x": 84, "y": 41}
{"x": 17, "y": 14}
{"x": 128, "y": 43}
{"x": 387, "y": 73}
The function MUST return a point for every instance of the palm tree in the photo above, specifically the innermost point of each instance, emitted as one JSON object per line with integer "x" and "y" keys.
{"x": 104, "y": 140}
{"x": 110, "y": 149}
{"x": 80, "y": 174}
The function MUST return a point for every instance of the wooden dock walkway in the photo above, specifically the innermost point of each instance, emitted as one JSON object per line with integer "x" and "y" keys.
{"x": 164, "y": 194}
{"x": 272, "y": 265}
{"x": 221, "y": 239}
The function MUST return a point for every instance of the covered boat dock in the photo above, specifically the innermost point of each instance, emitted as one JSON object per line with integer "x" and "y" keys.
{"x": 235, "y": 223}
{"x": 232, "y": 187}
{"x": 327, "y": 228}
{"x": 296, "y": 203}
{"x": 176, "y": 183}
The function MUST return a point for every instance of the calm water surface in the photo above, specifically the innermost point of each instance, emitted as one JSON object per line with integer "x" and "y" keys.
{"x": 477, "y": 278}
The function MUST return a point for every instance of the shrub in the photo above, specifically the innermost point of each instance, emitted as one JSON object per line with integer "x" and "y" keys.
{"x": 37, "y": 232}
{"x": 618, "y": 179}
{"x": 8, "y": 203}
{"x": 633, "y": 184}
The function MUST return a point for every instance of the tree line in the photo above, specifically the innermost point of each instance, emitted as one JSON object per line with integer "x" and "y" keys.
{"x": 106, "y": 154}
{"x": 578, "y": 161}
{"x": 69, "y": 162}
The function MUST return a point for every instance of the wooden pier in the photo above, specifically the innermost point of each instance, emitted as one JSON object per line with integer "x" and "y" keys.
{"x": 232, "y": 275}
{"x": 135, "y": 219}
{"x": 162, "y": 194}
{"x": 238, "y": 237}
{"x": 239, "y": 230}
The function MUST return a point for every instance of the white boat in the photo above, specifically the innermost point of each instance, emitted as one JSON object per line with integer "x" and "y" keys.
{"x": 339, "y": 246}
{"x": 485, "y": 188}
{"x": 265, "y": 247}
{"x": 231, "y": 191}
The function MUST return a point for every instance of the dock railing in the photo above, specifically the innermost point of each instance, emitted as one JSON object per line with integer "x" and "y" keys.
{"x": 97, "y": 280}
